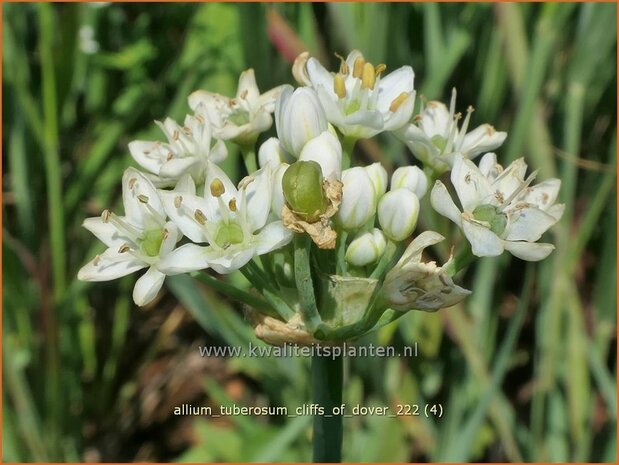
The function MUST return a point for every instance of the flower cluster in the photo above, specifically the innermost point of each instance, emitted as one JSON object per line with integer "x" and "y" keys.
{"x": 311, "y": 215}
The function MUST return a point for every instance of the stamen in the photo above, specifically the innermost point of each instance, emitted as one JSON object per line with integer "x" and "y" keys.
{"x": 343, "y": 65}
{"x": 369, "y": 77}
{"x": 96, "y": 260}
{"x": 165, "y": 234}
{"x": 357, "y": 70}
{"x": 398, "y": 101}
{"x": 132, "y": 182}
{"x": 200, "y": 119}
{"x": 200, "y": 217}
{"x": 170, "y": 156}
{"x": 338, "y": 86}
{"x": 380, "y": 68}
{"x": 217, "y": 188}
{"x": 232, "y": 205}
{"x": 244, "y": 94}
{"x": 143, "y": 198}
{"x": 124, "y": 248}
{"x": 105, "y": 216}
{"x": 178, "y": 200}
{"x": 175, "y": 135}
{"x": 187, "y": 130}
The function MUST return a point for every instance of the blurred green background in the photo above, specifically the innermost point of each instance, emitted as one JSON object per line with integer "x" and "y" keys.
{"x": 525, "y": 369}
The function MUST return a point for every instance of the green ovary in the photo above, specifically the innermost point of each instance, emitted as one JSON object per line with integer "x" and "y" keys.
{"x": 239, "y": 117}
{"x": 493, "y": 216}
{"x": 352, "y": 107}
{"x": 229, "y": 234}
{"x": 439, "y": 142}
{"x": 151, "y": 243}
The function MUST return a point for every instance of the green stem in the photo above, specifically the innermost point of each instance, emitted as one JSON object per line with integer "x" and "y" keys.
{"x": 327, "y": 377}
{"x": 249, "y": 157}
{"x": 341, "y": 253}
{"x": 276, "y": 302}
{"x": 305, "y": 286}
{"x": 464, "y": 258}
{"x": 236, "y": 293}
{"x": 348, "y": 145}
{"x": 384, "y": 260}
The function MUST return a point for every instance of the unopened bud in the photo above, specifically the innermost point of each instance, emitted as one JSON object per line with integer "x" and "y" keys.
{"x": 397, "y": 213}
{"x": 411, "y": 178}
{"x": 303, "y": 191}
{"x": 358, "y": 198}
{"x": 366, "y": 248}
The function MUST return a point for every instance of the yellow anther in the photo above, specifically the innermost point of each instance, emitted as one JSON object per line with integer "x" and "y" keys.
{"x": 143, "y": 198}
{"x": 217, "y": 187}
{"x": 178, "y": 200}
{"x": 165, "y": 234}
{"x": 96, "y": 260}
{"x": 170, "y": 156}
{"x": 380, "y": 68}
{"x": 396, "y": 102}
{"x": 357, "y": 69}
{"x": 200, "y": 119}
{"x": 124, "y": 248}
{"x": 132, "y": 182}
{"x": 105, "y": 216}
{"x": 244, "y": 94}
{"x": 232, "y": 205}
{"x": 369, "y": 78}
{"x": 200, "y": 217}
{"x": 338, "y": 86}
{"x": 175, "y": 134}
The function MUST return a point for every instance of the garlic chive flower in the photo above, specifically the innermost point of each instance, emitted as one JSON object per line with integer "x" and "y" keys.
{"x": 140, "y": 239}
{"x": 500, "y": 210}
{"x": 242, "y": 118}
{"x": 357, "y": 99}
{"x": 358, "y": 198}
{"x": 434, "y": 137}
{"x": 398, "y": 211}
{"x": 366, "y": 248}
{"x": 234, "y": 223}
{"x": 411, "y": 178}
{"x": 415, "y": 285}
{"x": 188, "y": 151}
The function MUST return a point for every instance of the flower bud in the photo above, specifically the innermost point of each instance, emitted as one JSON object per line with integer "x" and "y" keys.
{"x": 378, "y": 176}
{"x": 302, "y": 186}
{"x": 358, "y": 198}
{"x": 325, "y": 150}
{"x": 299, "y": 118}
{"x": 366, "y": 248}
{"x": 270, "y": 151}
{"x": 397, "y": 213}
{"x": 411, "y": 178}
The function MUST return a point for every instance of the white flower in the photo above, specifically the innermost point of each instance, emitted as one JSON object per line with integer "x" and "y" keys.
{"x": 240, "y": 119}
{"x": 416, "y": 285}
{"x": 325, "y": 150}
{"x": 233, "y": 223}
{"x": 398, "y": 211}
{"x": 299, "y": 118}
{"x": 411, "y": 178}
{"x": 500, "y": 210}
{"x": 278, "y": 200}
{"x": 357, "y": 100}
{"x": 189, "y": 149}
{"x": 140, "y": 239}
{"x": 358, "y": 198}
{"x": 435, "y": 137}
{"x": 366, "y": 248}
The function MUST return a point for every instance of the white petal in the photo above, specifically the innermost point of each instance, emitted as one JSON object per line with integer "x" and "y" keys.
{"x": 544, "y": 194}
{"x": 135, "y": 187}
{"x": 230, "y": 260}
{"x": 435, "y": 120}
{"x": 378, "y": 176}
{"x": 204, "y": 98}
{"x": 258, "y": 198}
{"x": 271, "y": 151}
{"x": 248, "y": 89}
{"x": 267, "y": 100}
{"x": 147, "y": 286}
{"x": 218, "y": 152}
{"x": 110, "y": 265}
{"x": 472, "y": 187}
{"x": 528, "y": 224}
{"x": 489, "y": 166}
{"x": 188, "y": 257}
{"x": 171, "y": 237}
{"x": 402, "y": 80}
{"x": 556, "y": 211}
{"x": 176, "y": 167}
{"x": 273, "y": 236}
{"x": 395, "y": 120}
{"x": 482, "y": 139}
{"x": 441, "y": 201}
{"x": 183, "y": 215}
{"x": 105, "y": 232}
{"x": 484, "y": 243}
{"x": 333, "y": 112}
{"x": 186, "y": 185}
{"x": 511, "y": 179}
{"x": 147, "y": 154}
{"x": 319, "y": 76}
{"x": 230, "y": 192}
{"x": 530, "y": 251}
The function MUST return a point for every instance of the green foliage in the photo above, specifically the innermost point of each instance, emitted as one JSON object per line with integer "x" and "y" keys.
{"x": 523, "y": 369}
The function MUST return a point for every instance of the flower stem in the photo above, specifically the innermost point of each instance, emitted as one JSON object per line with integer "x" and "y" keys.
{"x": 348, "y": 145}
{"x": 327, "y": 376}
{"x": 249, "y": 157}
{"x": 464, "y": 258}
{"x": 341, "y": 253}
{"x": 303, "y": 278}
